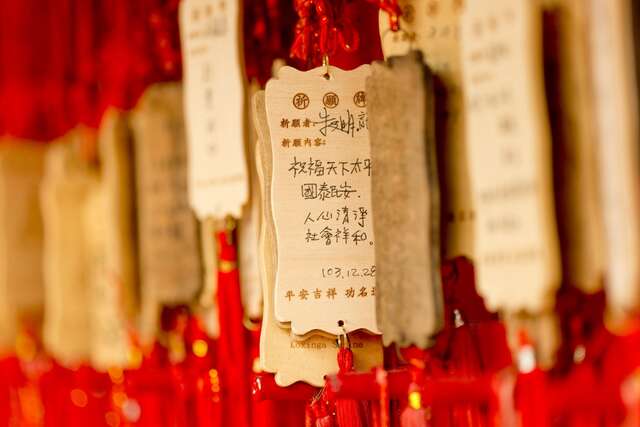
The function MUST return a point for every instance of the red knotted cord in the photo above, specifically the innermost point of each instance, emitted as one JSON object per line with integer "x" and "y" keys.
{"x": 323, "y": 28}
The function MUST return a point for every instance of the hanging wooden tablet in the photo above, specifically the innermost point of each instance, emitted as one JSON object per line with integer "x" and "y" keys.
{"x": 110, "y": 230}
{"x": 288, "y": 359}
{"x": 214, "y": 107}
{"x": 433, "y": 27}
{"x": 249, "y": 230}
{"x": 67, "y": 183}
{"x": 615, "y": 91}
{"x": 405, "y": 199}
{"x": 170, "y": 267}
{"x": 571, "y": 110}
{"x": 21, "y": 239}
{"x": 516, "y": 246}
{"x": 321, "y": 202}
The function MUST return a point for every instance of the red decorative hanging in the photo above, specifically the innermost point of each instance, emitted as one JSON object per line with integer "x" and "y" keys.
{"x": 233, "y": 362}
{"x": 335, "y": 29}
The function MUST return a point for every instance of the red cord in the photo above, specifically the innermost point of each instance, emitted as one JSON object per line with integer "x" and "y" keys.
{"x": 323, "y": 28}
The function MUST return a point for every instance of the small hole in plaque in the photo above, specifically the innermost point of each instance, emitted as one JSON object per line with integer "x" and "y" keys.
{"x": 340, "y": 323}
{"x": 327, "y": 76}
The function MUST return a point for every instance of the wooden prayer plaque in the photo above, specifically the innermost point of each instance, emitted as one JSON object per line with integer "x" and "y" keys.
{"x": 214, "y": 106}
{"x": 405, "y": 199}
{"x": 321, "y": 200}
{"x": 292, "y": 361}
{"x": 616, "y": 113}
{"x": 21, "y": 235}
{"x": 109, "y": 222}
{"x": 67, "y": 183}
{"x": 571, "y": 104}
{"x": 249, "y": 230}
{"x": 516, "y": 243}
{"x": 170, "y": 267}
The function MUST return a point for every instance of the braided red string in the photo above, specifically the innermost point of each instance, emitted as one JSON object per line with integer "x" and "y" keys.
{"x": 322, "y": 28}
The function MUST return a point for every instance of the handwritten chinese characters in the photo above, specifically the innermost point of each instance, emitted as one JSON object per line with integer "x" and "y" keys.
{"x": 327, "y": 123}
{"x": 335, "y": 236}
{"x": 318, "y": 167}
{"x": 350, "y": 228}
{"x": 321, "y": 197}
{"x": 341, "y": 216}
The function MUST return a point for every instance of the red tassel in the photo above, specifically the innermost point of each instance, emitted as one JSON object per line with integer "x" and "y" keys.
{"x": 349, "y": 413}
{"x": 530, "y": 394}
{"x": 233, "y": 356}
{"x": 326, "y": 421}
{"x": 320, "y": 412}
